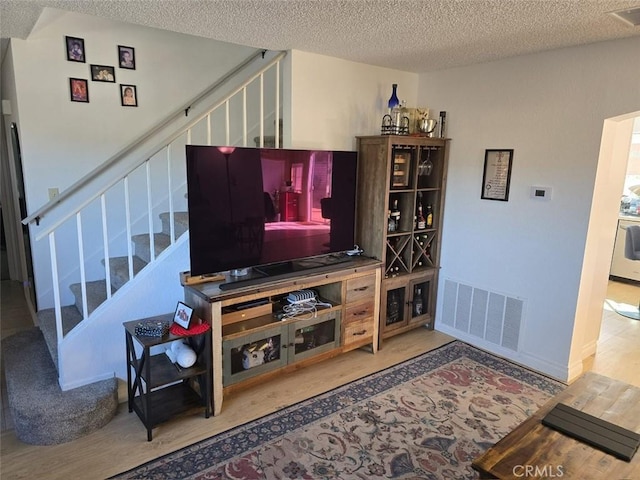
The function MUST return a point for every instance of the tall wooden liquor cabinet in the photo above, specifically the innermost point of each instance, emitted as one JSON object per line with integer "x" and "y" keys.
{"x": 406, "y": 171}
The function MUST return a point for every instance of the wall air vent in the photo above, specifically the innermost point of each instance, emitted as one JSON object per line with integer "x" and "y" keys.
{"x": 491, "y": 316}
{"x": 629, "y": 16}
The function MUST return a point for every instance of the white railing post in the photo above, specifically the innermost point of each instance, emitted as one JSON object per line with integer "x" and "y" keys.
{"x": 262, "y": 110}
{"x": 244, "y": 118}
{"x": 226, "y": 121}
{"x": 83, "y": 276}
{"x": 277, "y": 106}
{"x": 172, "y": 227}
{"x": 152, "y": 244}
{"x": 105, "y": 241}
{"x": 127, "y": 218}
{"x": 56, "y": 287}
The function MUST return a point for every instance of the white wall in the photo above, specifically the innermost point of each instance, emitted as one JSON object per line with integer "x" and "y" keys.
{"x": 550, "y": 108}
{"x": 333, "y": 100}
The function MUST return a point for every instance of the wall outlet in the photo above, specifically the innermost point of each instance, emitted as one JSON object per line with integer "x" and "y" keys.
{"x": 53, "y": 193}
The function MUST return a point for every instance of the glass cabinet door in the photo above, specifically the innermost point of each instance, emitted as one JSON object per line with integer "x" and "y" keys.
{"x": 394, "y": 310}
{"x": 249, "y": 355}
{"x": 315, "y": 335}
{"x": 420, "y": 307}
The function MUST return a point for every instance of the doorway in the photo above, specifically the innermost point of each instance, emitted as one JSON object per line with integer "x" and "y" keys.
{"x": 16, "y": 244}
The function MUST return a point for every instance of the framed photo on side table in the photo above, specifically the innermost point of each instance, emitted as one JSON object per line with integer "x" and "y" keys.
{"x": 183, "y": 315}
{"x": 496, "y": 176}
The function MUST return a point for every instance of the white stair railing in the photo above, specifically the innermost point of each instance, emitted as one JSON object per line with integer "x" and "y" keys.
{"x": 156, "y": 183}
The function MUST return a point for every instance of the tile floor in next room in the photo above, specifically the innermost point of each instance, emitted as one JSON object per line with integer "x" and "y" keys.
{"x": 121, "y": 444}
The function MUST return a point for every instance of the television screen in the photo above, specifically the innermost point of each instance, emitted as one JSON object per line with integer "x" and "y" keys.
{"x": 258, "y": 206}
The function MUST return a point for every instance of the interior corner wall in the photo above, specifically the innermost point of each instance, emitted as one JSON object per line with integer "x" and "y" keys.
{"x": 63, "y": 140}
{"x": 550, "y": 108}
{"x": 333, "y": 100}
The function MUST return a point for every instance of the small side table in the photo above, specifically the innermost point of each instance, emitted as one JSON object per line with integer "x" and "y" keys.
{"x": 158, "y": 389}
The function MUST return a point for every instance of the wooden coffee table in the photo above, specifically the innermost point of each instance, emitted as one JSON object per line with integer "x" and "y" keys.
{"x": 535, "y": 451}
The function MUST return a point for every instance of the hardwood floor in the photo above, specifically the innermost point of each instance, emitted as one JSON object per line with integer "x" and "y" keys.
{"x": 122, "y": 444}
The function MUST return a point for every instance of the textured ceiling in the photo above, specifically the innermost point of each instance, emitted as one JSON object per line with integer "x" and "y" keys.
{"x": 410, "y": 35}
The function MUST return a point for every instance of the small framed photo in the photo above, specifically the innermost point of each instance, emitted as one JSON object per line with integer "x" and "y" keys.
{"x": 183, "y": 315}
{"x": 103, "y": 73}
{"x": 128, "y": 95}
{"x": 75, "y": 49}
{"x": 496, "y": 178}
{"x": 126, "y": 57}
{"x": 79, "y": 90}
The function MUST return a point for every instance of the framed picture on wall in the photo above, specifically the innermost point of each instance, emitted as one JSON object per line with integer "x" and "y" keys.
{"x": 496, "y": 178}
{"x": 103, "y": 73}
{"x": 126, "y": 57}
{"x": 75, "y": 49}
{"x": 128, "y": 95}
{"x": 79, "y": 90}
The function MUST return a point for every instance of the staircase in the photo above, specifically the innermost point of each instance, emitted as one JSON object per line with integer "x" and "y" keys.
{"x": 107, "y": 252}
{"x": 96, "y": 292}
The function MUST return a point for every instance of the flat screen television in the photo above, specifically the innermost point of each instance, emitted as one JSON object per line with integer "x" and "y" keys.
{"x": 268, "y": 208}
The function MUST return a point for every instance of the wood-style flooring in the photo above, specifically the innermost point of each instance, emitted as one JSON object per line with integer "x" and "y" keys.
{"x": 122, "y": 444}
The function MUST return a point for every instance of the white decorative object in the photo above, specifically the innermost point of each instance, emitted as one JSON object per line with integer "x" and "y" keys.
{"x": 180, "y": 353}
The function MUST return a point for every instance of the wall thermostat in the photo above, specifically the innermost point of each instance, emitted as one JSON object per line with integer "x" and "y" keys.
{"x": 541, "y": 193}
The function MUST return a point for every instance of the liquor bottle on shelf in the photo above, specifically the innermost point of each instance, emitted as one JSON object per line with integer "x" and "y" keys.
{"x": 393, "y": 307}
{"x": 429, "y": 217}
{"x": 421, "y": 222}
{"x": 417, "y": 302}
{"x": 395, "y": 214}
{"x": 391, "y": 222}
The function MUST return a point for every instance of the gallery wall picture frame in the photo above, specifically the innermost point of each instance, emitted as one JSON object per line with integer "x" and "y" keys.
{"x": 183, "y": 315}
{"x": 128, "y": 95}
{"x": 75, "y": 49}
{"x": 496, "y": 176}
{"x": 127, "y": 57}
{"x": 103, "y": 73}
{"x": 79, "y": 90}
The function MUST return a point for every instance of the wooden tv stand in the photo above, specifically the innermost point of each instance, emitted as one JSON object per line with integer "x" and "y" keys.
{"x": 252, "y": 340}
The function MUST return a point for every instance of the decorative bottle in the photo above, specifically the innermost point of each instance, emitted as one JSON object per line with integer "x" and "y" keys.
{"x": 395, "y": 214}
{"x": 417, "y": 302}
{"x": 443, "y": 129}
{"x": 421, "y": 222}
{"x": 429, "y": 218}
{"x": 393, "y": 100}
{"x": 395, "y": 111}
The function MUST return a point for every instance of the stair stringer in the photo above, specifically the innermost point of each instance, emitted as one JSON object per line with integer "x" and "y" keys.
{"x": 95, "y": 349}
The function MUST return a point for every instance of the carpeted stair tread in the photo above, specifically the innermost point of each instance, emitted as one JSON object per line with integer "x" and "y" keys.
{"x": 42, "y": 413}
{"x": 47, "y": 323}
{"x": 119, "y": 267}
{"x": 142, "y": 245}
{"x": 96, "y": 294}
{"x": 181, "y": 223}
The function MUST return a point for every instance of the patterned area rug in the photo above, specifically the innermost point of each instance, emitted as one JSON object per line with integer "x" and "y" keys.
{"x": 426, "y": 418}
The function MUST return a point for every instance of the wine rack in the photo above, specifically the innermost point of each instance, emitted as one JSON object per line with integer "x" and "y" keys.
{"x": 398, "y": 177}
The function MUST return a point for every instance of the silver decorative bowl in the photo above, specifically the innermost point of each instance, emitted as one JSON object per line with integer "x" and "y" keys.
{"x": 427, "y": 125}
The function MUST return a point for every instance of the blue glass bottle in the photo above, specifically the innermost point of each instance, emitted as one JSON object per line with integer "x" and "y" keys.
{"x": 393, "y": 101}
